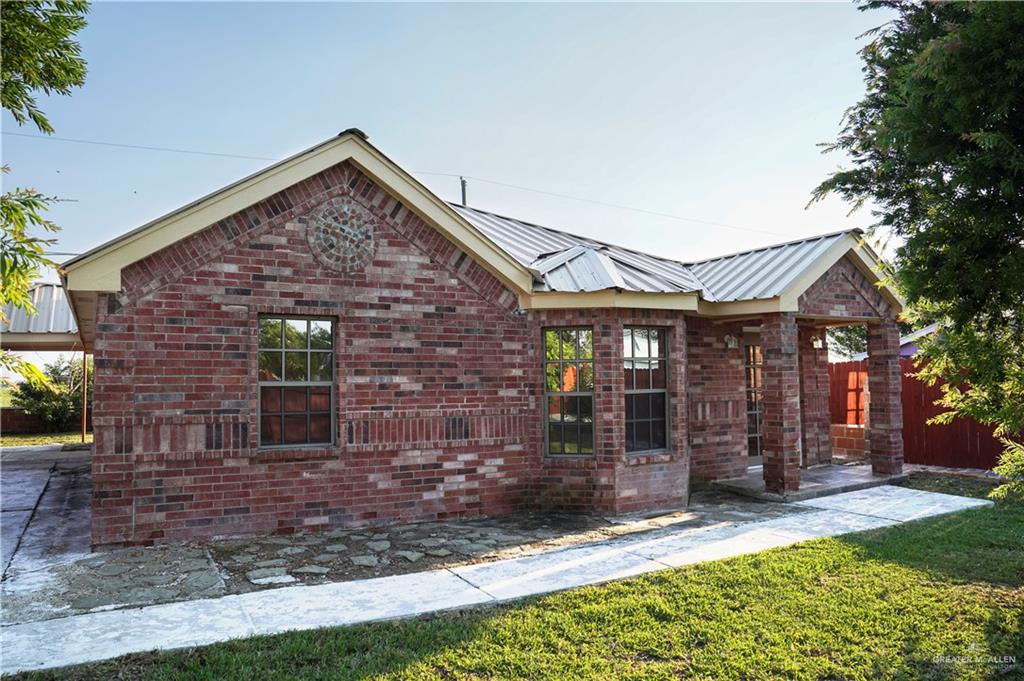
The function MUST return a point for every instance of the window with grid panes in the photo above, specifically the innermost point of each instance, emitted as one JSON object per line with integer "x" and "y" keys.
{"x": 645, "y": 372}
{"x": 296, "y": 381}
{"x": 569, "y": 388}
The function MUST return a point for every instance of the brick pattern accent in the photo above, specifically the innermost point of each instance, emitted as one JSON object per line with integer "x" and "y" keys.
{"x": 782, "y": 429}
{"x": 885, "y": 411}
{"x": 844, "y": 292}
{"x": 717, "y": 413}
{"x": 815, "y": 416}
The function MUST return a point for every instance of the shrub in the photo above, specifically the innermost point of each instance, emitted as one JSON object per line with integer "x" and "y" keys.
{"x": 58, "y": 406}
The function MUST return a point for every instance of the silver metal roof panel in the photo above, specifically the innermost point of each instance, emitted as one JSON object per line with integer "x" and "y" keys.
{"x": 53, "y": 313}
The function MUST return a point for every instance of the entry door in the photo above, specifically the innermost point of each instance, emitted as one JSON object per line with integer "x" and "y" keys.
{"x": 753, "y": 365}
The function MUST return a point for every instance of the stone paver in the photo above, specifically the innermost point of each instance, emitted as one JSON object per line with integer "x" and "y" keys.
{"x": 101, "y": 635}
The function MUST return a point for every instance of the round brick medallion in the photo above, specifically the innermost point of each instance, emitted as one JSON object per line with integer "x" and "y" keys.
{"x": 340, "y": 234}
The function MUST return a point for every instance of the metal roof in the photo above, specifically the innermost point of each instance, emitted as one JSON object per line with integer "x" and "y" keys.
{"x": 762, "y": 272}
{"x": 52, "y": 322}
{"x": 565, "y": 262}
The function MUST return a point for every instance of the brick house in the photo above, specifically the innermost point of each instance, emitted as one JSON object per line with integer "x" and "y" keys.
{"x": 326, "y": 342}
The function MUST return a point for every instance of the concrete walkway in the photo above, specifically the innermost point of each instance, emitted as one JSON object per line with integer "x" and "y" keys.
{"x": 44, "y": 506}
{"x": 103, "y": 635}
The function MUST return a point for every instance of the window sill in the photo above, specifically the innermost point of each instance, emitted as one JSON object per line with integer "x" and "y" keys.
{"x": 650, "y": 457}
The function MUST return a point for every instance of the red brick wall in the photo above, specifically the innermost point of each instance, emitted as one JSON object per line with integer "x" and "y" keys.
{"x": 613, "y": 481}
{"x": 717, "y": 409}
{"x": 422, "y": 334}
{"x": 848, "y": 441}
{"x": 844, "y": 292}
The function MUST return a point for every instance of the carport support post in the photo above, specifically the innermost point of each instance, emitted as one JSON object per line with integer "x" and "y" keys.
{"x": 85, "y": 390}
{"x": 781, "y": 427}
{"x": 885, "y": 410}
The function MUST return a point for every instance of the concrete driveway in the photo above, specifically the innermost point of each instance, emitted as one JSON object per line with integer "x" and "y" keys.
{"x": 45, "y": 506}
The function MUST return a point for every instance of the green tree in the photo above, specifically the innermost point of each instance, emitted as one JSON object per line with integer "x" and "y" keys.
{"x": 937, "y": 144}
{"x": 38, "y": 55}
{"x": 59, "y": 403}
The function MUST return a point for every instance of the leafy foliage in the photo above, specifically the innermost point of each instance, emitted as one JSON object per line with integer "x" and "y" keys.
{"x": 22, "y": 253}
{"x": 937, "y": 143}
{"x": 58, "y": 404}
{"x": 40, "y": 55}
{"x": 37, "y": 55}
{"x": 848, "y": 340}
{"x": 1011, "y": 467}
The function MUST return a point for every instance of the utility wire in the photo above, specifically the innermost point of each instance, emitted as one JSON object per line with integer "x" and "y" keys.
{"x": 595, "y": 202}
{"x": 139, "y": 146}
{"x": 618, "y": 206}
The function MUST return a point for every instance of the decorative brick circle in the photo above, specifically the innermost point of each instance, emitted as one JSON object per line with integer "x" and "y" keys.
{"x": 340, "y": 234}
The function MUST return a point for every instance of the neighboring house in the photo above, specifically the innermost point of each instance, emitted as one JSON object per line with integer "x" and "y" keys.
{"x": 908, "y": 343}
{"x": 327, "y": 342}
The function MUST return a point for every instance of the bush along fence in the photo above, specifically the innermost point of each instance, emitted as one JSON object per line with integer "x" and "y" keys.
{"x": 961, "y": 444}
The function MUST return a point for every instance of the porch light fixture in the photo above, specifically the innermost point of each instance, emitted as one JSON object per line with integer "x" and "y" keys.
{"x": 817, "y": 342}
{"x": 731, "y": 341}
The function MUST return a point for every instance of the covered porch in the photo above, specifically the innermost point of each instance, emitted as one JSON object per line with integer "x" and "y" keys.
{"x": 787, "y": 396}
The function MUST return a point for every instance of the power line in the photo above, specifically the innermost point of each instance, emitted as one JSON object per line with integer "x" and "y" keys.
{"x": 139, "y": 146}
{"x": 595, "y": 202}
{"x": 623, "y": 207}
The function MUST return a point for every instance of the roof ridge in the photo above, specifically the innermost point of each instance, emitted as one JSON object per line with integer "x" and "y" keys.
{"x": 769, "y": 247}
{"x": 605, "y": 244}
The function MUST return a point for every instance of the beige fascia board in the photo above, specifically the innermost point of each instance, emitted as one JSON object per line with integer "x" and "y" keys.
{"x": 790, "y": 299}
{"x": 868, "y": 262}
{"x": 740, "y": 308}
{"x": 441, "y": 215}
{"x": 609, "y": 298}
{"x": 100, "y": 269}
{"x": 43, "y": 342}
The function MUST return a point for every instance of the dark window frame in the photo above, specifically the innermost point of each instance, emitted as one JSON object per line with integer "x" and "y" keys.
{"x": 631, "y": 391}
{"x": 309, "y": 351}
{"x": 562, "y": 395}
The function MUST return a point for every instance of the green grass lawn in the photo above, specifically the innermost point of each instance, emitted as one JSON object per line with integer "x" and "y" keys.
{"x": 73, "y": 438}
{"x": 883, "y": 604}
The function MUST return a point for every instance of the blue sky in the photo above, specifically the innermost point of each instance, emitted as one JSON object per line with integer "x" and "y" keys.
{"x": 711, "y": 112}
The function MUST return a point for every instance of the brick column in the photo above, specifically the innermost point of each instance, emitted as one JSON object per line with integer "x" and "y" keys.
{"x": 815, "y": 418}
{"x": 781, "y": 445}
{"x": 885, "y": 411}
{"x": 609, "y": 412}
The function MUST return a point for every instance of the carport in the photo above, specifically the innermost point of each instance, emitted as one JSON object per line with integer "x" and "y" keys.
{"x": 52, "y": 328}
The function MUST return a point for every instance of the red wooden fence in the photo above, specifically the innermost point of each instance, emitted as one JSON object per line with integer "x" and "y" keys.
{"x": 961, "y": 444}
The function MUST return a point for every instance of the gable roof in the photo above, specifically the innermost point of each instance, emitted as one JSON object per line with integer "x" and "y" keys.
{"x": 546, "y": 267}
